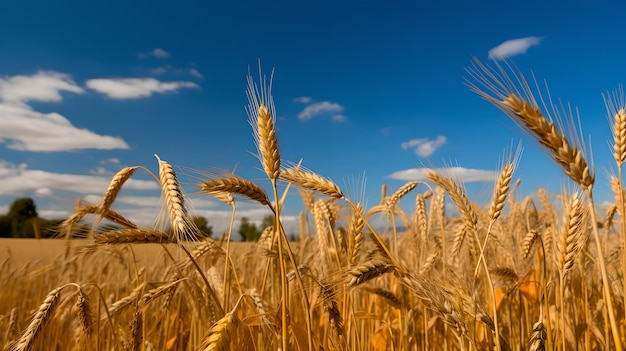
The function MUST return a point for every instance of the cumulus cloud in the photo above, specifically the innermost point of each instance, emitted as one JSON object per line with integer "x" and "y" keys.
{"x": 135, "y": 88}
{"x": 465, "y": 175}
{"x": 18, "y": 180}
{"x": 156, "y": 53}
{"x": 42, "y": 86}
{"x": 303, "y": 99}
{"x": 322, "y": 108}
{"x": 513, "y": 47}
{"x": 23, "y": 129}
{"x": 424, "y": 147}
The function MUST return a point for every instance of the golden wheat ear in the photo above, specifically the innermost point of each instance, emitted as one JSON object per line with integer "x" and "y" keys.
{"x": 508, "y": 90}
{"x": 182, "y": 225}
{"x": 262, "y": 116}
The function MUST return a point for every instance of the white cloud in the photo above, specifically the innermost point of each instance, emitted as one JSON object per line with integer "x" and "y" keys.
{"x": 24, "y": 129}
{"x": 303, "y": 99}
{"x": 339, "y": 118}
{"x": 42, "y": 86}
{"x": 112, "y": 160}
{"x": 424, "y": 147}
{"x": 157, "y": 53}
{"x": 134, "y": 88}
{"x": 465, "y": 175}
{"x": 320, "y": 108}
{"x": 513, "y": 47}
{"x": 18, "y": 180}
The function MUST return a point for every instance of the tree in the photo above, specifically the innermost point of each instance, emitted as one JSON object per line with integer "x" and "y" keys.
{"x": 5, "y": 227}
{"x": 20, "y": 213}
{"x": 248, "y": 230}
{"x": 203, "y": 224}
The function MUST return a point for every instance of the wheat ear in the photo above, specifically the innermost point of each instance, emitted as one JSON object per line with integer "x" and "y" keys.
{"x": 133, "y": 236}
{"x": 38, "y": 322}
{"x": 572, "y": 237}
{"x": 501, "y": 191}
{"x": 357, "y": 223}
{"x": 499, "y": 89}
{"x": 84, "y": 312}
{"x": 262, "y": 115}
{"x": 312, "y": 181}
{"x": 220, "y": 334}
{"x": 615, "y": 105}
{"x": 399, "y": 194}
{"x": 173, "y": 195}
{"x": 368, "y": 271}
{"x": 115, "y": 186}
{"x": 463, "y": 204}
{"x": 237, "y": 186}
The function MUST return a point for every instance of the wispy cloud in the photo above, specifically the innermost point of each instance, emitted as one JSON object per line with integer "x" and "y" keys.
{"x": 513, "y": 47}
{"x": 323, "y": 108}
{"x": 22, "y": 128}
{"x": 18, "y": 180}
{"x": 303, "y": 99}
{"x": 135, "y": 88}
{"x": 169, "y": 69}
{"x": 424, "y": 147}
{"x": 156, "y": 53}
{"x": 42, "y": 86}
{"x": 194, "y": 72}
{"x": 465, "y": 175}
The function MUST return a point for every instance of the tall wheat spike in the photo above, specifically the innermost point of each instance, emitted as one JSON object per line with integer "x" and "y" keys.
{"x": 520, "y": 105}
{"x": 262, "y": 118}
{"x": 173, "y": 195}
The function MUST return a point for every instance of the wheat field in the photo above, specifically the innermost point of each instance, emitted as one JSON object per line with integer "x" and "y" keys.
{"x": 543, "y": 271}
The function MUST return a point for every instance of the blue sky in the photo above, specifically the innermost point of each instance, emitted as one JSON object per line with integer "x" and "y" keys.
{"x": 361, "y": 88}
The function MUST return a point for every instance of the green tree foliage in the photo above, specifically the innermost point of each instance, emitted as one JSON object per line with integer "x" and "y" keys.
{"x": 248, "y": 230}
{"x": 203, "y": 224}
{"x": 20, "y": 214}
{"x": 22, "y": 221}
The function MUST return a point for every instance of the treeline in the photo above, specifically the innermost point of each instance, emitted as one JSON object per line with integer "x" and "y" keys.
{"x": 23, "y": 221}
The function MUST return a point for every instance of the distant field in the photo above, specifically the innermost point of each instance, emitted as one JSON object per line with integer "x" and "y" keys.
{"x": 24, "y": 251}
